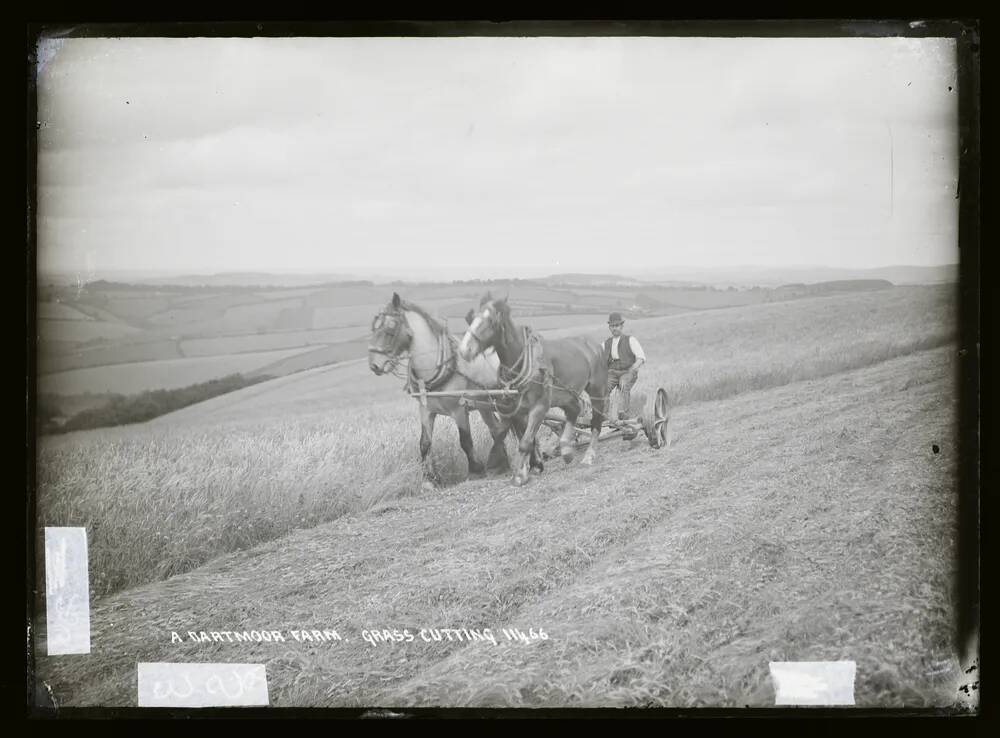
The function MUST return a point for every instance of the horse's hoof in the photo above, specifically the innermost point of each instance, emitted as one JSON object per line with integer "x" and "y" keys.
{"x": 428, "y": 486}
{"x": 519, "y": 481}
{"x": 476, "y": 470}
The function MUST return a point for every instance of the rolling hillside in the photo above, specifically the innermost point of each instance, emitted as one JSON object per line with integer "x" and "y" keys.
{"x": 804, "y": 512}
{"x": 808, "y": 522}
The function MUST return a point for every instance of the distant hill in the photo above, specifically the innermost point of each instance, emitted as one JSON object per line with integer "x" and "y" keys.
{"x": 917, "y": 275}
{"x": 590, "y": 280}
{"x": 777, "y": 276}
{"x": 786, "y": 291}
{"x": 245, "y": 279}
{"x": 680, "y": 277}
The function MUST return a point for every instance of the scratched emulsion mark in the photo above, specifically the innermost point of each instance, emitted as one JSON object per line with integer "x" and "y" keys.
{"x": 46, "y": 50}
{"x": 202, "y": 685}
{"x": 967, "y": 681}
{"x": 67, "y": 591}
{"x": 813, "y": 682}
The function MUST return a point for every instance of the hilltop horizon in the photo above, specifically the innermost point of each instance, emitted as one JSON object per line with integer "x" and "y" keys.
{"x": 740, "y": 274}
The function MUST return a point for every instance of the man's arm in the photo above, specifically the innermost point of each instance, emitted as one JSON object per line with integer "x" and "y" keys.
{"x": 640, "y": 356}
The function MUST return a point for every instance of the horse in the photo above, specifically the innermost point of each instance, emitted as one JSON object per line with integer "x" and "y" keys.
{"x": 435, "y": 365}
{"x": 545, "y": 373}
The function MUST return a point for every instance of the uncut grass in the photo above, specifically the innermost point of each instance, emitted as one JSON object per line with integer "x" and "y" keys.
{"x": 162, "y": 502}
{"x": 719, "y": 353}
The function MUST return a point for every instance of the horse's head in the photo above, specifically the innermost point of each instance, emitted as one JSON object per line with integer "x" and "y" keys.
{"x": 390, "y": 339}
{"x": 486, "y": 327}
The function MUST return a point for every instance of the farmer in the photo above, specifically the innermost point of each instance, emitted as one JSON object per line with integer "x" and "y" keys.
{"x": 624, "y": 358}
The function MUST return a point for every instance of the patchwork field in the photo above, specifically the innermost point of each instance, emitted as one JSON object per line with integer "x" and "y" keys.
{"x": 805, "y": 512}
{"x": 57, "y": 311}
{"x": 269, "y": 341}
{"x": 164, "y": 374}
{"x": 83, "y": 331}
{"x": 145, "y": 337}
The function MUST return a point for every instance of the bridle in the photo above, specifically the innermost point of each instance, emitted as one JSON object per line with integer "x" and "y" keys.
{"x": 491, "y": 317}
{"x": 399, "y": 338}
{"x": 521, "y": 372}
{"x": 396, "y": 338}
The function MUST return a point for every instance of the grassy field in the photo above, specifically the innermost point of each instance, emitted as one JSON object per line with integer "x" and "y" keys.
{"x": 808, "y": 522}
{"x": 801, "y": 515}
{"x": 350, "y": 415}
{"x": 58, "y": 311}
{"x": 82, "y": 330}
{"x": 121, "y": 353}
{"x": 704, "y": 356}
{"x": 332, "y": 354}
{"x": 163, "y": 374}
{"x": 346, "y": 296}
{"x": 235, "y": 344}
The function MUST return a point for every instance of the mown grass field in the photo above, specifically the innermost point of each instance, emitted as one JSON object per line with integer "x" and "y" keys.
{"x": 801, "y": 515}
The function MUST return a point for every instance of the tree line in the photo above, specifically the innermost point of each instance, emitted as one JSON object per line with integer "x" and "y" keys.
{"x": 137, "y": 408}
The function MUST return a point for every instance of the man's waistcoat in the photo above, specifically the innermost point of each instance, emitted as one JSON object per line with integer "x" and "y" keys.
{"x": 625, "y": 356}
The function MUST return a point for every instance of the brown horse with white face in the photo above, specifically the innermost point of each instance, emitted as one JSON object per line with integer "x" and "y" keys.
{"x": 546, "y": 373}
{"x": 405, "y": 329}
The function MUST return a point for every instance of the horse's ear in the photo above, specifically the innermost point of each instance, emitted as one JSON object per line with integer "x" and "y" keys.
{"x": 469, "y": 316}
{"x": 395, "y": 300}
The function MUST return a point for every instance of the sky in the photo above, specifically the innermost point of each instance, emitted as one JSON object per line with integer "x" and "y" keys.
{"x": 494, "y": 157}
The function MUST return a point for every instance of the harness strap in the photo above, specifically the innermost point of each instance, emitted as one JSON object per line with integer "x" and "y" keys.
{"x": 527, "y": 362}
{"x": 445, "y": 366}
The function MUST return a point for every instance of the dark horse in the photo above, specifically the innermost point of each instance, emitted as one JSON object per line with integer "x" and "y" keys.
{"x": 546, "y": 373}
{"x": 405, "y": 328}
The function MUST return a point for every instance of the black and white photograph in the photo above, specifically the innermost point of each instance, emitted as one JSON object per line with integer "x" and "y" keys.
{"x": 499, "y": 370}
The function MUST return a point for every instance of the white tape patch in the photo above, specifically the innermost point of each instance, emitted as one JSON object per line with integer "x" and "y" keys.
{"x": 67, "y": 591}
{"x": 202, "y": 685}
{"x": 813, "y": 682}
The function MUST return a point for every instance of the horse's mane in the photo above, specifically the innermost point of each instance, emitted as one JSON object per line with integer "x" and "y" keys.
{"x": 499, "y": 304}
{"x": 436, "y": 328}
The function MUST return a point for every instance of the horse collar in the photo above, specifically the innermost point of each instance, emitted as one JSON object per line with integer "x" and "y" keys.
{"x": 445, "y": 364}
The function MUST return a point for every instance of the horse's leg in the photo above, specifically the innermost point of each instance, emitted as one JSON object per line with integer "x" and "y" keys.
{"x": 497, "y": 461}
{"x": 599, "y": 402}
{"x": 526, "y": 447}
{"x": 426, "y": 434}
{"x": 567, "y": 447}
{"x": 461, "y": 416}
{"x": 535, "y": 462}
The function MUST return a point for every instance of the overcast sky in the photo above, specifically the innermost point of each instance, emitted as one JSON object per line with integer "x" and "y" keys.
{"x": 486, "y": 157}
